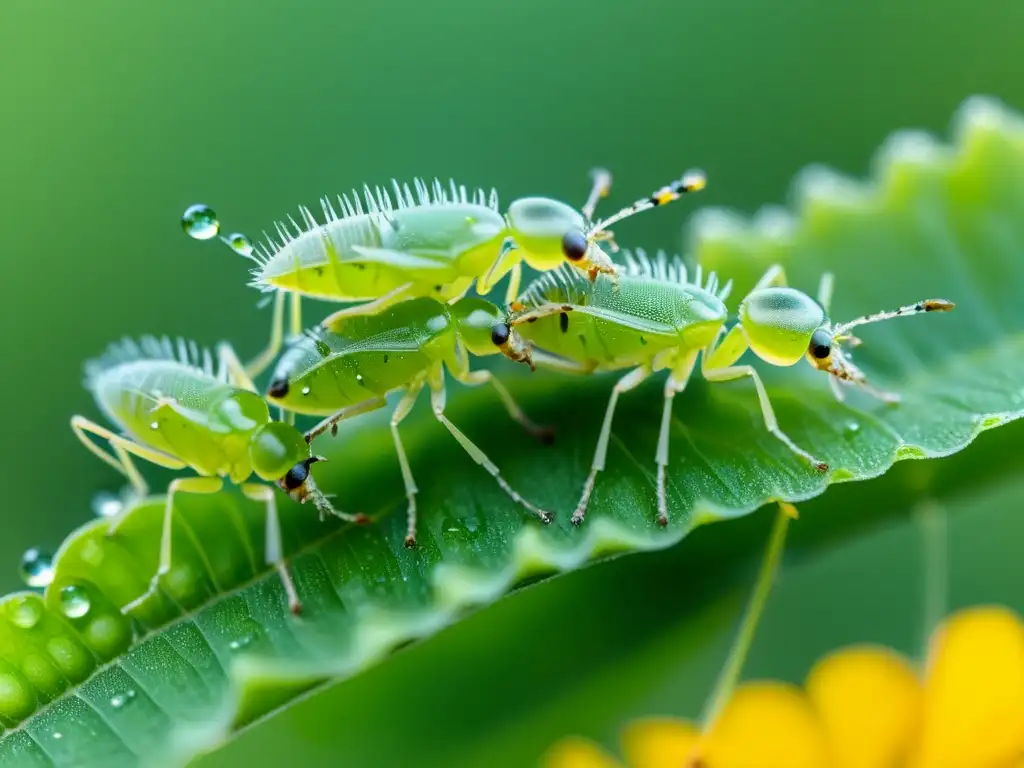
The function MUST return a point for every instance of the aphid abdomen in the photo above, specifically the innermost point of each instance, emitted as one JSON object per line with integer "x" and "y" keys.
{"x": 182, "y": 409}
{"x": 365, "y": 356}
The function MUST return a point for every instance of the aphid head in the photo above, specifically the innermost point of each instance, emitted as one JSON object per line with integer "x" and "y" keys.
{"x": 506, "y": 338}
{"x": 825, "y": 348}
{"x": 475, "y": 318}
{"x": 782, "y": 324}
{"x": 549, "y": 232}
{"x": 280, "y": 454}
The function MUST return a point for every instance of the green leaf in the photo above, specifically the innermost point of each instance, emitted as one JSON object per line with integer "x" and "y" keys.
{"x": 218, "y": 649}
{"x": 647, "y": 636}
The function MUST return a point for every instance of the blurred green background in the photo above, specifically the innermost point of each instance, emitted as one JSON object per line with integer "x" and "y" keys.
{"x": 118, "y": 115}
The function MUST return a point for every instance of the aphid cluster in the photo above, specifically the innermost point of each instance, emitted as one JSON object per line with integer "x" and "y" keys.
{"x": 405, "y": 264}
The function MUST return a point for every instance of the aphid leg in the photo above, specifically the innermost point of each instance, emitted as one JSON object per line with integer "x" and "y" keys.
{"x": 203, "y": 485}
{"x": 437, "y": 403}
{"x": 837, "y": 389}
{"x": 476, "y": 378}
{"x": 515, "y": 278}
{"x": 236, "y": 372}
{"x": 369, "y": 308}
{"x": 626, "y": 383}
{"x": 556, "y": 363}
{"x": 258, "y": 364}
{"x": 505, "y": 261}
{"x": 401, "y": 411}
{"x": 825, "y": 286}
{"x": 538, "y": 313}
{"x": 602, "y": 185}
{"x": 273, "y": 551}
{"x": 718, "y": 367}
{"x": 345, "y": 413}
{"x": 124, "y": 449}
{"x": 675, "y": 384}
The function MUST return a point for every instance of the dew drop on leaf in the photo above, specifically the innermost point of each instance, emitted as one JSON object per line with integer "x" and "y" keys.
{"x": 74, "y": 601}
{"x": 199, "y": 221}
{"x": 121, "y": 699}
{"x": 851, "y": 428}
{"x": 37, "y": 568}
{"x": 106, "y": 504}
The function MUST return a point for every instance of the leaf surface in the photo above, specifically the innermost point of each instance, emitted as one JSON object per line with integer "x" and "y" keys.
{"x": 218, "y": 649}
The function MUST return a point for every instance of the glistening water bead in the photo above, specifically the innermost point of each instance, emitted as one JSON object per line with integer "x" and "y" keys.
{"x": 239, "y": 244}
{"x": 37, "y": 568}
{"x": 200, "y": 221}
{"x": 106, "y": 504}
{"x": 74, "y": 602}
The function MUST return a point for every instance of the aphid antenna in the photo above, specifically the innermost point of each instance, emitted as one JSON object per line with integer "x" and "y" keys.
{"x": 928, "y": 305}
{"x": 692, "y": 181}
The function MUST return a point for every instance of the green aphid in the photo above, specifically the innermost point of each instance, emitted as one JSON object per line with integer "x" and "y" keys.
{"x": 655, "y": 317}
{"x": 348, "y": 369}
{"x": 427, "y": 241}
{"x": 175, "y": 410}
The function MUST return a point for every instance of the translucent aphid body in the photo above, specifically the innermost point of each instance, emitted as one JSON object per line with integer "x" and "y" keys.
{"x": 427, "y": 240}
{"x": 348, "y": 369}
{"x": 175, "y": 410}
{"x": 657, "y": 317}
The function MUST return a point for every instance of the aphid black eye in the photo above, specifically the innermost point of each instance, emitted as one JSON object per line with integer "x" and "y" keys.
{"x": 574, "y": 245}
{"x": 500, "y": 333}
{"x": 278, "y": 388}
{"x": 296, "y": 476}
{"x": 821, "y": 345}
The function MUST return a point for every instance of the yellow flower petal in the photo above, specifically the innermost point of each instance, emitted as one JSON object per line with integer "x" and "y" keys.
{"x": 766, "y": 725}
{"x": 974, "y": 692}
{"x": 659, "y": 743}
{"x": 868, "y": 700}
{"x": 577, "y": 752}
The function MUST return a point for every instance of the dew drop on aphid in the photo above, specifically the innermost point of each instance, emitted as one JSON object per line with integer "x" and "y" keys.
{"x": 26, "y": 613}
{"x": 74, "y": 602}
{"x": 240, "y": 244}
{"x": 106, "y": 504}
{"x": 200, "y": 221}
{"x": 119, "y": 700}
{"x": 37, "y": 568}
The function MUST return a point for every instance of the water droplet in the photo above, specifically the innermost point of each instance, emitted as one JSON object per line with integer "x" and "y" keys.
{"x": 359, "y": 378}
{"x": 241, "y": 642}
{"x": 472, "y": 524}
{"x": 121, "y": 699}
{"x": 851, "y": 428}
{"x": 37, "y": 568}
{"x": 154, "y": 425}
{"x": 305, "y": 390}
{"x": 239, "y": 244}
{"x": 58, "y": 735}
{"x": 74, "y": 601}
{"x": 106, "y": 504}
{"x": 26, "y": 613}
{"x": 199, "y": 221}
{"x": 456, "y": 529}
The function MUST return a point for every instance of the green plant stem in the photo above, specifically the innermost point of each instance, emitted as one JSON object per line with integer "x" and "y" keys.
{"x": 730, "y": 673}
{"x": 931, "y": 521}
